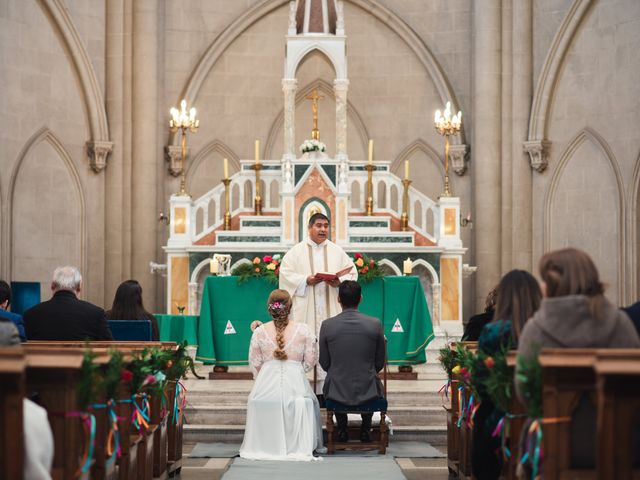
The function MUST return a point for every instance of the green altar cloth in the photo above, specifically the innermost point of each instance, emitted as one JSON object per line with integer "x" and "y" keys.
{"x": 228, "y": 308}
{"x": 176, "y": 328}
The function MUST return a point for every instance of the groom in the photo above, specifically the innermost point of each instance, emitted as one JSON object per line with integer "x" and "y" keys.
{"x": 352, "y": 352}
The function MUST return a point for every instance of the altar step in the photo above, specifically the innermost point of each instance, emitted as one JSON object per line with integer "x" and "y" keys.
{"x": 216, "y": 409}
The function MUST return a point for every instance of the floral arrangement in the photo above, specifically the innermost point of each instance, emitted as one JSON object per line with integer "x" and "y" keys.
{"x": 498, "y": 380}
{"x": 312, "y": 146}
{"x": 276, "y": 308}
{"x": 368, "y": 268}
{"x": 267, "y": 267}
{"x": 448, "y": 359}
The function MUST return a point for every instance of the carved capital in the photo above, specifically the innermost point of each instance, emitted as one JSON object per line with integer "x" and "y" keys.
{"x": 538, "y": 151}
{"x": 289, "y": 84}
{"x": 98, "y": 152}
{"x": 340, "y": 85}
{"x": 174, "y": 157}
{"x": 458, "y": 156}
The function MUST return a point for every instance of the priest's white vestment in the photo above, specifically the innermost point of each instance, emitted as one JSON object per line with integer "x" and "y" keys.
{"x": 313, "y": 304}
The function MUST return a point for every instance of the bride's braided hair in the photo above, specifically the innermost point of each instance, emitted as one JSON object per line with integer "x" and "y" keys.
{"x": 279, "y": 306}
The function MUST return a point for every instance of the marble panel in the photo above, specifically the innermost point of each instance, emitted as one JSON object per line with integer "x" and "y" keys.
{"x": 450, "y": 282}
{"x": 180, "y": 220}
{"x": 179, "y": 283}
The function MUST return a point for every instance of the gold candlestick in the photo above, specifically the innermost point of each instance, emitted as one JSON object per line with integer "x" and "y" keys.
{"x": 227, "y": 213}
{"x": 370, "y": 169}
{"x": 257, "y": 203}
{"x": 404, "y": 218}
{"x": 183, "y": 121}
{"x": 446, "y": 125}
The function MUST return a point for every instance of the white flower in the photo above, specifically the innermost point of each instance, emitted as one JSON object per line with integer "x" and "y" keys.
{"x": 312, "y": 146}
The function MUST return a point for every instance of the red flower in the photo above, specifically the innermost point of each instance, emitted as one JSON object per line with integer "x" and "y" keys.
{"x": 126, "y": 376}
{"x": 358, "y": 255}
{"x": 365, "y": 269}
{"x": 489, "y": 362}
{"x": 266, "y": 258}
{"x": 257, "y": 270}
{"x": 372, "y": 262}
{"x": 277, "y": 272}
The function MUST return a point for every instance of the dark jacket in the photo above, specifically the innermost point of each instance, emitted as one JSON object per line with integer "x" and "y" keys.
{"x": 17, "y": 321}
{"x": 474, "y": 326}
{"x": 352, "y": 353}
{"x": 65, "y": 317}
{"x": 633, "y": 312}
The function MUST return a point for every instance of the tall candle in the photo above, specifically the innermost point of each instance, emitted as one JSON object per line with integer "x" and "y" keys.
{"x": 407, "y": 266}
{"x": 406, "y": 169}
{"x": 226, "y": 168}
{"x": 370, "y": 151}
{"x": 257, "y": 151}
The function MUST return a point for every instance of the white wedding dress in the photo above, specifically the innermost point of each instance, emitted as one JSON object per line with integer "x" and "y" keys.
{"x": 283, "y": 415}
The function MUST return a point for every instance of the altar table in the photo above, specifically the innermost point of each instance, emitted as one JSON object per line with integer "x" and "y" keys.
{"x": 177, "y": 328}
{"x": 228, "y": 308}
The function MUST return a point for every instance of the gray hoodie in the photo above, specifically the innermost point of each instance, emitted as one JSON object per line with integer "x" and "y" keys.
{"x": 566, "y": 322}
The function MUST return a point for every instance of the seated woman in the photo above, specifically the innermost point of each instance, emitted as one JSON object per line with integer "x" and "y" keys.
{"x": 283, "y": 415}
{"x": 575, "y": 314}
{"x": 518, "y": 297}
{"x": 127, "y": 305}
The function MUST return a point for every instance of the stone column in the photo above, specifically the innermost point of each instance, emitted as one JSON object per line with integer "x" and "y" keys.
{"x": 340, "y": 88}
{"x": 117, "y": 91}
{"x": 522, "y": 95}
{"x": 506, "y": 163}
{"x": 486, "y": 143}
{"x": 145, "y": 144}
{"x": 289, "y": 88}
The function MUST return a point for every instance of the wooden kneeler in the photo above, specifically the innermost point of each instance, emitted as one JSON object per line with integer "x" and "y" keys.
{"x": 379, "y": 433}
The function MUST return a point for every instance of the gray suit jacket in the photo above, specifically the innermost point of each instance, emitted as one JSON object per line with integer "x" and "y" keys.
{"x": 352, "y": 352}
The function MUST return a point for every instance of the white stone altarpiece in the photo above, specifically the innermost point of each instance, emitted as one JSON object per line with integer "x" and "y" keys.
{"x": 314, "y": 181}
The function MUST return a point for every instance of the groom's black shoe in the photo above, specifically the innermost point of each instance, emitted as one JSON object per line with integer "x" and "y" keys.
{"x": 343, "y": 436}
{"x": 365, "y": 436}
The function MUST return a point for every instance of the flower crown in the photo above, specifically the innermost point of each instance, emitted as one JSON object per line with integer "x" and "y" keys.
{"x": 277, "y": 308}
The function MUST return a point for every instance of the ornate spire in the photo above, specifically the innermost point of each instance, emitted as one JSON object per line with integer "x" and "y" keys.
{"x": 316, "y": 16}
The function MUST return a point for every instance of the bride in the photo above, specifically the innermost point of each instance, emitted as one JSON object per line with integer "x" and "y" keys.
{"x": 283, "y": 415}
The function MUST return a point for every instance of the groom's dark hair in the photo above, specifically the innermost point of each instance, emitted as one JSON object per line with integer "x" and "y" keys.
{"x": 349, "y": 294}
{"x": 317, "y": 216}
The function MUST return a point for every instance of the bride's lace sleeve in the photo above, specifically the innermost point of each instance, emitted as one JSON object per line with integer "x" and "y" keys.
{"x": 310, "y": 358}
{"x": 255, "y": 353}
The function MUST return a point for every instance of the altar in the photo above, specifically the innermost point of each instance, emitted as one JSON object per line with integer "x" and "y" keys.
{"x": 263, "y": 209}
{"x": 226, "y": 315}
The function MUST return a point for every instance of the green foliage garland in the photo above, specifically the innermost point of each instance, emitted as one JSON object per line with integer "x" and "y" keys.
{"x": 529, "y": 377}
{"x": 89, "y": 380}
{"x": 267, "y": 267}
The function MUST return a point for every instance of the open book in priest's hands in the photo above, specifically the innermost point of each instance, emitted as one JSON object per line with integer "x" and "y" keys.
{"x": 329, "y": 277}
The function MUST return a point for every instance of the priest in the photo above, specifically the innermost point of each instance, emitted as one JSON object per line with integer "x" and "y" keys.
{"x": 308, "y": 272}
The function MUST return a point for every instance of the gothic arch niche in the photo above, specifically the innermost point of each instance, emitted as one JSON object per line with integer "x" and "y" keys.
{"x": 357, "y": 135}
{"x": 205, "y": 171}
{"x": 426, "y": 168}
{"x": 584, "y": 208}
{"x": 634, "y": 235}
{"x": 431, "y": 286}
{"x": 47, "y": 211}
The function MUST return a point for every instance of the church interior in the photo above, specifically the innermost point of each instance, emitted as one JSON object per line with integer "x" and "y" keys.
{"x": 448, "y": 142}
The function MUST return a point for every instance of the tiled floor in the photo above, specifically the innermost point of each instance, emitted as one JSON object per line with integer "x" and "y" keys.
{"x": 214, "y": 468}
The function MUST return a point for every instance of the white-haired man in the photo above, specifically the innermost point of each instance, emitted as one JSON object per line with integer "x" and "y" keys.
{"x": 65, "y": 316}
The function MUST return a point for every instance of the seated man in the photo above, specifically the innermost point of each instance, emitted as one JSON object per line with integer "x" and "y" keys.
{"x": 5, "y": 314}
{"x": 65, "y": 316}
{"x": 352, "y": 352}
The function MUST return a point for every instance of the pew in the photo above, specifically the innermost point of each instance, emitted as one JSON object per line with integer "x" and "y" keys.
{"x": 568, "y": 401}
{"x": 12, "y": 379}
{"x": 464, "y": 432}
{"x": 53, "y": 375}
{"x": 144, "y": 456}
{"x": 453, "y": 441}
{"x": 516, "y": 421}
{"x": 617, "y": 375}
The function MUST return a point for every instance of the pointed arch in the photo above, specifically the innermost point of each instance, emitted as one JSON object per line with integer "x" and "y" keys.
{"x": 418, "y": 145}
{"x": 293, "y": 64}
{"x": 373, "y": 7}
{"x": 552, "y": 68}
{"x": 61, "y": 22}
{"x": 214, "y": 146}
{"x": 589, "y": 135}
{"x": 44, "y": 134}
{"x": 633, "y": 293}
{"x": 327, "y": 89}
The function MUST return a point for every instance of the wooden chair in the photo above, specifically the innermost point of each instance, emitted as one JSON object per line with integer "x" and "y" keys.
{"x": 379, "y": 433}
{"x": 12, "y": 379}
